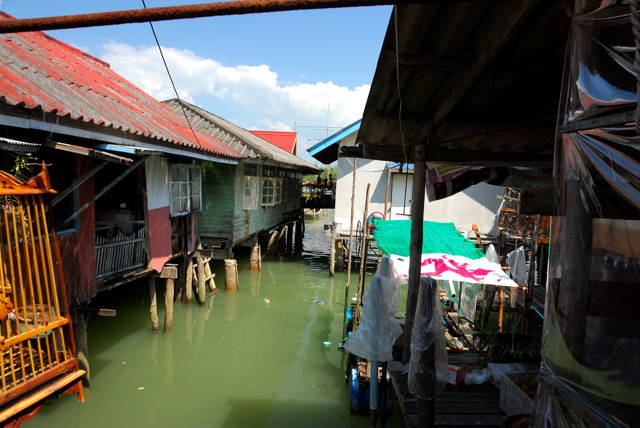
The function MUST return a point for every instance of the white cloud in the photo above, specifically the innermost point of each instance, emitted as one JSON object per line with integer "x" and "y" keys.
{"x": 265, "y": 102}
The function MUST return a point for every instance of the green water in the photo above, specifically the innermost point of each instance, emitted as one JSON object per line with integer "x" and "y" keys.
{"x": 235, "y": 361}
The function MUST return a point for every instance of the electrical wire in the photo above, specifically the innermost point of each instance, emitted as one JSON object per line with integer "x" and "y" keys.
{"x": 171, "y": 79}
{"x": 395, "y": 25}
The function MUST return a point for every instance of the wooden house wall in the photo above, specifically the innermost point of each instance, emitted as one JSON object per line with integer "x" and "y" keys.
{"x": 158, "y": 213}
{"x": 219, "y": 190}
{"x": 223, "y": 215}
{"x": 77, "y": 248}
{"x": 250, "y": 222}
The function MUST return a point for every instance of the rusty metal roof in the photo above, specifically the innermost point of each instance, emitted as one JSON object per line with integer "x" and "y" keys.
{"x": 40, "y": 73}
{"x": 477, "y": 82}
{"x": 247, "y": 143}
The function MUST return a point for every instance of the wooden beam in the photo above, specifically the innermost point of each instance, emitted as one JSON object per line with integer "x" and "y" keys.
{"x": 501, "y": 37}
{"x": 84, "y": 151}
{"x": 102, "y": 192}
{"x": 77, "y": 183}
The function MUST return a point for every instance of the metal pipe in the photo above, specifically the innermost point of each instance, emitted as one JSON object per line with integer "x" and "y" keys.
{"x": 240, "y": 7}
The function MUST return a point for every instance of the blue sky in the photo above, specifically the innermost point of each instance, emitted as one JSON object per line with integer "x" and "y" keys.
{"x": 304, "y": 71}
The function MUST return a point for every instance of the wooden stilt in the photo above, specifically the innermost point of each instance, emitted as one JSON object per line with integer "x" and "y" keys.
{"x": 272, "y": 246}
{"x": 201, "y": 295}
{"x": 231, "y": 275}
{"x": 209, "y": 277}
{"x": 500, "y": 308}
{"x": 188, "y": 282}
{"x": 255, "y": 260}
{"x": 82, "y": 346}
{"x": 415, "y": 245}
{"x": 153, "y": 307}
{"x": 339, "y": 255}
{"x": 282, "y": 237}
{"x": 168, "y": 305}
{"x": 289, "y": 238}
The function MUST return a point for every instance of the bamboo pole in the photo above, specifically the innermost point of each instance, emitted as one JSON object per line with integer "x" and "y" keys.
{"x": 346, "y": 288}
{"x": 363, "y": 259}
{"x": 153, "y": 307}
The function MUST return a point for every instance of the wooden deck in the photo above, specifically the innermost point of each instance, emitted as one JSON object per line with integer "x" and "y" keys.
{"x": 458, "y": 406}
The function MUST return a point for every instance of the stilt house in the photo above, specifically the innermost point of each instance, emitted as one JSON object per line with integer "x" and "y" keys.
{"x": 243, "y": 201}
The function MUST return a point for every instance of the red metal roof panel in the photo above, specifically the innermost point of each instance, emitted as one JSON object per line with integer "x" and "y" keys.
{"x": 38, "y": 71}
{"x": 284, "y": 140}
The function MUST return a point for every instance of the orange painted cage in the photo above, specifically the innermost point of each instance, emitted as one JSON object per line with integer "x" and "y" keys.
{"x": 36, "y": 338}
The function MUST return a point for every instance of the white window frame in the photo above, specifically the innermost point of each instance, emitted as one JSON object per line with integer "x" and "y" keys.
{"x": 185, "y": 185}
{"x": 250, "y": 199}
{"x": 277, "y": 192}
{"x": 268, "y": 197}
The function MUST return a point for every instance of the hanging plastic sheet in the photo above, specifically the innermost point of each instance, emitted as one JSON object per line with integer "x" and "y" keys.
{"x": 378, "y": 328}
{"x": 591, "y": 346}
{"x": 428, "y": 365}
{"x": 468, "y": 301}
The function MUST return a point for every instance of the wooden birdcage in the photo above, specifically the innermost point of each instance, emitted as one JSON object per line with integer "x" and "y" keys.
{"x": 36, "y": 340}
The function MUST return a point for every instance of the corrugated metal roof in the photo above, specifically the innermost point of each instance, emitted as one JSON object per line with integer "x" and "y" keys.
{"x": 40, "y": 72}
{"x": 477, "y": 82}
{"x": 327, "y": 150}
{"x": 250, "y": 145}
{"x": 285, "y": 140}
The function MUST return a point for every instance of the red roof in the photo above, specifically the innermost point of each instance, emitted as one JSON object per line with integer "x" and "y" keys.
{"x": 40, "y": 72}
{"x": 285, "y": 140}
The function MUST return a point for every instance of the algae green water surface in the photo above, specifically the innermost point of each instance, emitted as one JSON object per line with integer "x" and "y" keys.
{"x": 236, "y": 361}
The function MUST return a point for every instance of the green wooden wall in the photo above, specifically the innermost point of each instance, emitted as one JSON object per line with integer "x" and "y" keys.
{"x": 222, "y": 215}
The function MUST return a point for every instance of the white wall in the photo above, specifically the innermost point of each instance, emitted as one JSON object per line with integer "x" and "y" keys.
{"x": 477, "y": 204}
{"x": 369, "y": 171}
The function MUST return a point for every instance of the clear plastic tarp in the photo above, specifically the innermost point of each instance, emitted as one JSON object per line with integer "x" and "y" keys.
{"x": 378, "y": 327}
{"x": 590, "y": 369}
{"x": 428, "y": 363}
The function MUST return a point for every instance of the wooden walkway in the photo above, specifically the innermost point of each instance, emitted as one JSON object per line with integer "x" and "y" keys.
{"x": 458, "y": 406}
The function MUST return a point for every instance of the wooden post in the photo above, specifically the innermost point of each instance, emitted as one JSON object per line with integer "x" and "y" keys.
{"x": 153, "y": 307}
{"x": 201, "y": 295}
{"x": 282, "y": 236}
{"x": 188, "y": 283}
{"x": 363, "y": 259}
{"x": 415, "y": 245}
{"x": 427, "y": 295}
{"x": 230, "y": 275}
{"x": 299, "y": 231}
{"x": 386, "y": 194}
{"x": 272, "y": 246}
{"x": 500, "y": 308}
{"x": 339, "y": 255}
{"x": 82, "y": 346}
{"x": 290, "y": 238}
{"x": 346, "y": 287}
{"x": 332, "y": 250}
{"x": 255, "y": 260}
{"x": 168, "y": 305}
{"x": 209, "y": 277}
{"x": 170, "y": 273}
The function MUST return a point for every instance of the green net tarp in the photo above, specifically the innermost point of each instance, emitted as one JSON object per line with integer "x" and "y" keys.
{"x": 393, "y": 237}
